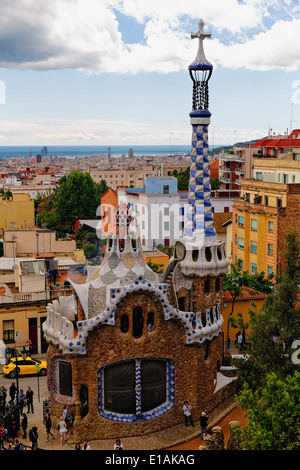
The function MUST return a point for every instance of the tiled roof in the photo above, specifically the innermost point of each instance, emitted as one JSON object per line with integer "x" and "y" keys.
{"x": 247, "y": 293}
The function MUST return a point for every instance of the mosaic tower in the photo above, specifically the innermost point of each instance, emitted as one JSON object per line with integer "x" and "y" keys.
{"x": 199, "y": 251}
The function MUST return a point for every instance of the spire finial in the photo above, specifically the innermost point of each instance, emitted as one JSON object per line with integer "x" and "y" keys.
{"x": 200, "y": 62}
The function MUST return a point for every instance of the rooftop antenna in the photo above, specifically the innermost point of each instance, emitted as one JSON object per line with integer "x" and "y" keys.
{"x": 291, "y": 121}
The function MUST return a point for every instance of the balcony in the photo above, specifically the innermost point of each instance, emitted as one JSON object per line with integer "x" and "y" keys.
{"x": 224, "y": 179}
{"x": 239, "y": 171}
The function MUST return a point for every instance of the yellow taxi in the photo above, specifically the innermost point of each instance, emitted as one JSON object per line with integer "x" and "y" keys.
{"x": 25, "y": 366}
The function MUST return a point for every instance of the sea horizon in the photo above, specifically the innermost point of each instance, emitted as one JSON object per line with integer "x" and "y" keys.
{"x": 19, "y": 151}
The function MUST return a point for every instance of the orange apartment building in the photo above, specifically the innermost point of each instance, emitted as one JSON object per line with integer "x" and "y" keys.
{"x": 261, "y": 219}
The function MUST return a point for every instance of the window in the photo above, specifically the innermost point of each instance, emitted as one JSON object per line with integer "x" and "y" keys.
{"x": 270, "y": 270}
{"x": 253, "y": 247}
{"x": 65, "y": 379}
{"x": 279, "y": 202}
{"x": 8, "y": 331}
{"x": 270, "y": 249}
{"x": 181, "y": 210}
{"x": 285, "y": 178}
{"x": 166, "y": 211}
{"x": 259, "y": 175}
{"x": 124, "y": 323}
{"x": 207, "y": 286}
{"x": 241, "y": 243}
{"x": 166, "y": 226}
{"x": 166, "y": 189}
{"x": 241, "y": 221}
{"x": 226, "y": 209}
{"x": 270, "y": 226}
{"x": 217, "y": 284}
{"x": 253, "y": 225}
{"x": 253, "y": 268}
{"x": 137, "y": 322}
{"x": 266, "y": 200}
{"x": 247, "y": 197}
{"x": 120, "y": 399}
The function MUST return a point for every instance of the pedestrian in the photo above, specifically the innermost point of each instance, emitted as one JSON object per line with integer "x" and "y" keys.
{"x": 86, "y": 446}
{"x": 236, "y": 339}
{"x": 13, "y": 426}
{"x": 118, "y": 445}
{"x": 62, "y": 427}
{"x": 240, "y": 340}
{"x": 54, "y": 275}
{"x": 77, "y": 447}
{"x": 17, "y": 445}
{"x": 48, "y": 424}
{"x": 24, "y": 424}
{"x": 203, "y": 424}
{"x": 3, "y": 392}
{"x": 187, "y": 411}
{"x": 34, "y": 438}
{"x": 28, "y": 347}
{"x": 2, "y": 436}
{"x": 29, "y": 398}
{"x": 21, "y": 400}
{"x": 70, "y": 421}
{"x": 65, "y": 413}
{"x": 12, "y": 392}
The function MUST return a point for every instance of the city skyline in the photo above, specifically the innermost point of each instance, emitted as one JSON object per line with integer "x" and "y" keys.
{"x": 116, "y": 72}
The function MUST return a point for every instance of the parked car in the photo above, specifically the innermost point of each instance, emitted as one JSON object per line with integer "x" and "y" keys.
{"x": 25, "y": 366}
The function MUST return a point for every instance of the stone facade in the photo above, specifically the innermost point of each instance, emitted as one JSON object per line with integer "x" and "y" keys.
{"x": 194, "y": 380}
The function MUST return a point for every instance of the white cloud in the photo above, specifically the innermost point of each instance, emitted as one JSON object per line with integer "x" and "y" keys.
{"x": 85, "y": 35}
{"x": 102, "y": 132}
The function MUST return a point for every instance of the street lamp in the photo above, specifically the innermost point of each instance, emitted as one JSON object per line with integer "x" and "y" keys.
{"x": 11, "y": 353}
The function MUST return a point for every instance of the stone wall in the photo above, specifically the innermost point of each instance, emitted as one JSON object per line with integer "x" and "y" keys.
{"x": 195, "y": 370}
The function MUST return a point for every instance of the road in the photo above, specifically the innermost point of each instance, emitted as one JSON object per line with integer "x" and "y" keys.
{"x": 39, "y": 386}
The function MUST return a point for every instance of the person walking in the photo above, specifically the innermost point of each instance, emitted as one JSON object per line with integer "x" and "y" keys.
{"x": 48, "y": 424}
{"x": 21, "y": 400}
{"x": 86, "y": 446}
{"x": 12, "y": 392}
{"x": 118, "y": 445}
{"x": 34, "y": 438}
{"x": 203, "y": 424}
{"x": 70, "y": 421}
{"x": 29, "y": 398}
{"x": 187, "y": 411}
{"x": 13, "y": 427}
{"x": 24, "y": 424}
{"x": 62, "y": 427}
{"x": 2, "y": 435}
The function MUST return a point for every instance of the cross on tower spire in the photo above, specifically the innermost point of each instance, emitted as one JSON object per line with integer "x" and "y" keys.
{"x": 200, "y": 62}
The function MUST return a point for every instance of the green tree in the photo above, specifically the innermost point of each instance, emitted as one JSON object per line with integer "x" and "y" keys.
{"x": 183, "y": 178}
{"x": 77, "y": 197}
{"x": 277, "y": 326}
{"x": 157, "y": 268}
{"x": 273, "y": 414}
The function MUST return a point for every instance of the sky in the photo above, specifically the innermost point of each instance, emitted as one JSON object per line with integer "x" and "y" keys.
{"x": 99, "y": 72}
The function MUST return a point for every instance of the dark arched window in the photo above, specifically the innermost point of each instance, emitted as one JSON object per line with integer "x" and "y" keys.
{"x": 150, "y": 321}
{"x": 218, "y": 284}
{"x": 207, "y": 286}
{"x": 130, "y": 390}
{"x": 84, "y": 400}
{"x": 124, "y": 323}
{"x": 65, "y": 379}
{"x": 137, "y": 322}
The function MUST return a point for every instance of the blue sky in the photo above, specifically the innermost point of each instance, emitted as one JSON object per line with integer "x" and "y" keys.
{"x": 97, "y": 72}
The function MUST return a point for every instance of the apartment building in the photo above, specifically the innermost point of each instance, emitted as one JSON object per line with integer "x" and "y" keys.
{"x": 16, "y": 212}
{"x": 261, "y": 219}
{"x": 124, "y": 176}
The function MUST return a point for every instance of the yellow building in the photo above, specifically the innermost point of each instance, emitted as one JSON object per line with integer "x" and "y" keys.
{"x": 242, "y": 305}
{"x": 156, "y": 257}
{"x": 261, "y": 219}
{"x": 17, "y": 212}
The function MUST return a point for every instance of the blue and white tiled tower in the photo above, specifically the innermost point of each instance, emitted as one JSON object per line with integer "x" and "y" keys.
{"x": 199, "y": 251}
